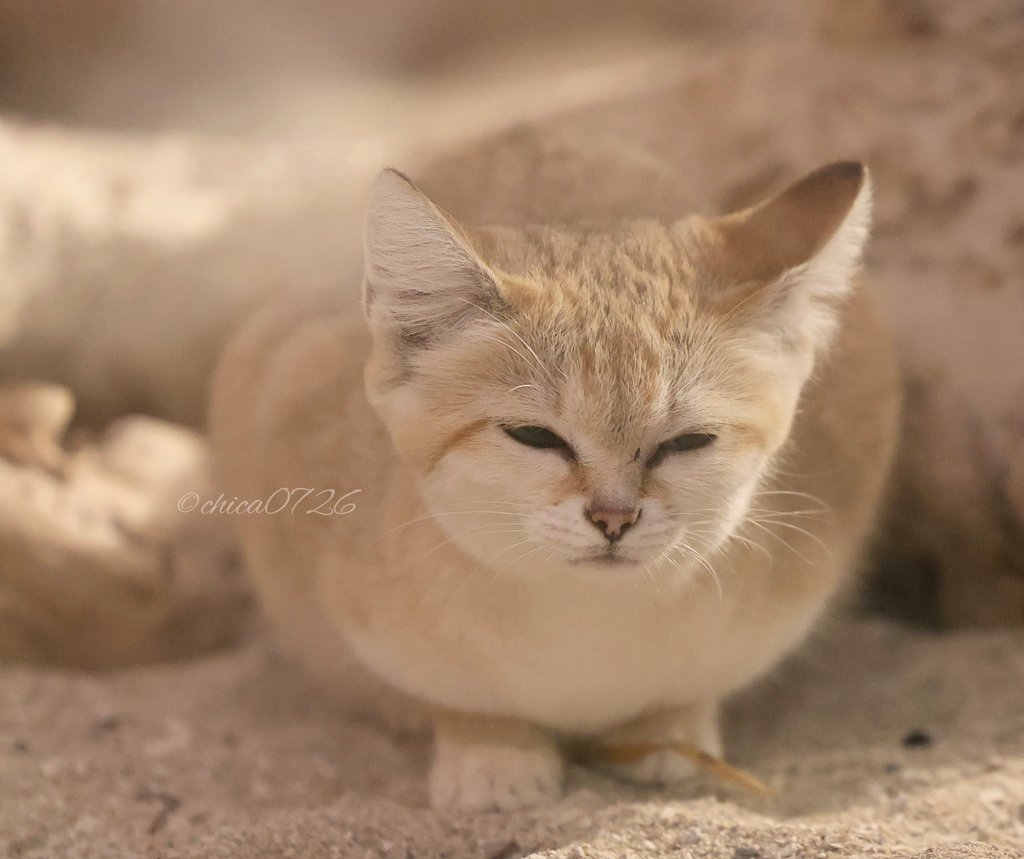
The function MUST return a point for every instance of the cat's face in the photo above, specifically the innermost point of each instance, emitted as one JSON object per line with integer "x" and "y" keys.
{"x": 614, "y": 404}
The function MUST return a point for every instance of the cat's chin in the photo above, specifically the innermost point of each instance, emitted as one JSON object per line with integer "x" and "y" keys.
{"x": 603, "y": 567}
{"x": 605, "y": 560}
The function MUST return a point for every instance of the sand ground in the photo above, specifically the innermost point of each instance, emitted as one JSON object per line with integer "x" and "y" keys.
{"x": 877, "y": 741}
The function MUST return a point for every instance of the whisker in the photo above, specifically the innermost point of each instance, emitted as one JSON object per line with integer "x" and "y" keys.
{"x": 429, "y": 516}
{"x": 499, "y": 570}
{"x": 482, "y": 532}
{"x": 803, "y": 531}
{"x": 794, "y": 493}
{"x": 505, "y": 549}
{"x": 764, "y": 513}
{"x": 527, "y": 554}
{"x": 771, "y": 533}
{"x": 696, "y": 556}
{"x": 652, "y": 578}
{"x": 748, "y": 543}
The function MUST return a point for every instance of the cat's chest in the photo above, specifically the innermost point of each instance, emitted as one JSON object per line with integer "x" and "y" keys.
{"x": 594, "y": 655}
{"x": 574, "y": 657}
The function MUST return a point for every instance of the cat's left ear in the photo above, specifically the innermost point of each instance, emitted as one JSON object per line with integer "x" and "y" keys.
{"x": 788, "y": 262}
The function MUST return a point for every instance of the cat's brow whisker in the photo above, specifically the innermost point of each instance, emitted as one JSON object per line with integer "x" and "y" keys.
{"x": 512, "y": 348}
{"x": 540, "y": 364}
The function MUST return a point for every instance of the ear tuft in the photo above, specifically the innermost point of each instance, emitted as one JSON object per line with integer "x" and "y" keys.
{"x": 421, "y": 274}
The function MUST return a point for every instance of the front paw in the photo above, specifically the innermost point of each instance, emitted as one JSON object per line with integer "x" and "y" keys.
{"x": 494, "y": 776}
{"x": 695, "y": 727}
{"x": 660, "y": 768}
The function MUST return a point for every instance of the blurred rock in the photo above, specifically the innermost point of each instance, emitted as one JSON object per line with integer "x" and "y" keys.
{"x": 244, "y": 66}
{"x": 99, "y": 566}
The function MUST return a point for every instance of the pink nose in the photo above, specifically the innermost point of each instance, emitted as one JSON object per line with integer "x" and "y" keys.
{"x": 613, "y": 521}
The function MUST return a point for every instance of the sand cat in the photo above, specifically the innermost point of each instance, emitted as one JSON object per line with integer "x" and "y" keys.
{"x": 611, "y": 465}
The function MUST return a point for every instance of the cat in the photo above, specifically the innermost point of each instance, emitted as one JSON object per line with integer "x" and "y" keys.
{"x": 612, "y": 464}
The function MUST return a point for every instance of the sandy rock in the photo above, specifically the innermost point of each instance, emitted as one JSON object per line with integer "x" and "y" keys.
{"x": 100, "y": 567}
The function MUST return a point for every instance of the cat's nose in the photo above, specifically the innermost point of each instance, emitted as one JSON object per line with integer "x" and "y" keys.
{"x": 613, "y": 522}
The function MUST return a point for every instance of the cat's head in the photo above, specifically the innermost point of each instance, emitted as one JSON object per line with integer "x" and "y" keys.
{"x": 583, "y": 400}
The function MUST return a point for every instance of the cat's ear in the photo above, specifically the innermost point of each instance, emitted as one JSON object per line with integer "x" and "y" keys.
{"x": 422, "y": 277}
{"x": 788, "y": 262}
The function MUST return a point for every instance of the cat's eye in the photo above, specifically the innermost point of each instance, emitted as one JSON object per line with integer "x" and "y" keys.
{"x": 689, "y": 441}
{"x": 537, "y": 437}
{"x": 680, "y": 444}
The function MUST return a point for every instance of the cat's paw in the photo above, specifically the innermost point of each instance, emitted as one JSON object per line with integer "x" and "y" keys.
{"x": 485, "y": 777}
{"x": 660, "y": 768}
{"x": 696, "y": 727}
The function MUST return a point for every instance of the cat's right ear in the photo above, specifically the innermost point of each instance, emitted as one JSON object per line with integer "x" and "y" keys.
{"x": 422, "y": 277}
{"x": 788, "y": 263}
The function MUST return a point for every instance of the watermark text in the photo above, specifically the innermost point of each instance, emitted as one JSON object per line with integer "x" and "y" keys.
{"x": 300, "y": 500}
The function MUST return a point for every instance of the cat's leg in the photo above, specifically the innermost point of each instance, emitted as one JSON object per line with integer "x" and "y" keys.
{"x": 696, "y": 725}
{"x": 491, "y": 763}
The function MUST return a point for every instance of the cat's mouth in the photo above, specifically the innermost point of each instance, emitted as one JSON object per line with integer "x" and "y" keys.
{"x": 605, "y": 559}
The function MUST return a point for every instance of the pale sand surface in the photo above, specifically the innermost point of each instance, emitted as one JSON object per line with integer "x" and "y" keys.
{"x": 236, "y": 756}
